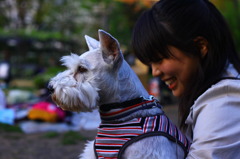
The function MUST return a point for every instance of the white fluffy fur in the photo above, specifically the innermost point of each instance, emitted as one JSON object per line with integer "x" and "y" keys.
{"x": 107, "y": 78}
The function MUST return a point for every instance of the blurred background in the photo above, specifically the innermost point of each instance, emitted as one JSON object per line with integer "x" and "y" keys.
{"x": 34, "y": 35}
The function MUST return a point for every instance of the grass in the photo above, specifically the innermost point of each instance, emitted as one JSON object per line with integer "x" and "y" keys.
{"x": 71, "y": 138}
{"x": 51, "y": 135}
{"x": 67, "y": 138}
{"x": 10, "y": 128}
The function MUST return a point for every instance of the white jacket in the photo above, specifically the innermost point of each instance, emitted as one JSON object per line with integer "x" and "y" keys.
{"x": 214, "y": 120}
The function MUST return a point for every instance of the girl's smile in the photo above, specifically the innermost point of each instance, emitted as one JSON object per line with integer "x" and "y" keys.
{"x": 175, "y": 71}
{"x": 171, "y": 83}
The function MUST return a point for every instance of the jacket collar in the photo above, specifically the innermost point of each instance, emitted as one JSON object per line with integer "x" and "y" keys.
{"x": 114, "y": 111}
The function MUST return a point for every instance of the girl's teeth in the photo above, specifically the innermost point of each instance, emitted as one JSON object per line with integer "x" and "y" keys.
{"x": 168, "y": 82}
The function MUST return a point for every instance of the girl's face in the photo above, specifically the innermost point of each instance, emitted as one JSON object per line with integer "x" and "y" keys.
{"x": 176, "y": 71}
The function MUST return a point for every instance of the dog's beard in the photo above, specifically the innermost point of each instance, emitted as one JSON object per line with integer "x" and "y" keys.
{"x": 82, "y": 97}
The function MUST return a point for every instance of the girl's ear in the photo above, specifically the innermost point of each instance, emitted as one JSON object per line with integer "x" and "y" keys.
{"x": 202, "y": 43}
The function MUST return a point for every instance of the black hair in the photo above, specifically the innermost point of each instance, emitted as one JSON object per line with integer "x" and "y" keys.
{"x": 177, "y": 23}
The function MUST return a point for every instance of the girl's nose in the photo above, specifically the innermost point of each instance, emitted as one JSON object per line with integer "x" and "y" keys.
{"x": 156, "y": 70}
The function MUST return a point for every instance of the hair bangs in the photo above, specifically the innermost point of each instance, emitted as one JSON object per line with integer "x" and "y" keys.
{"x": 150, "y": 44}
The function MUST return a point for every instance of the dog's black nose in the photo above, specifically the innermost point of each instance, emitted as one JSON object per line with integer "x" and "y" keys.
{"x": 50, "y": 89}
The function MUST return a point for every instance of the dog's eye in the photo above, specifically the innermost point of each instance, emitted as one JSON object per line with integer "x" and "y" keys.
{"x": 82, "y": 69}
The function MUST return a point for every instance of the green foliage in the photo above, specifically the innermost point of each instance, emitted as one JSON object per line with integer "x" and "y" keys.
{"x": 41, "y": 35}
{"x": 232, "y": 15}
{"x": 231, "y": 12}
{"x": 62, "y": 20}
{"x": 41, "y": 80}
{"x": 121, "y": 23}
{"x": 115, "y": 17}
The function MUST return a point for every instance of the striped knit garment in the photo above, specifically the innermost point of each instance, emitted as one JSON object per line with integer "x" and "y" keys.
{"x": 113, "y": 139}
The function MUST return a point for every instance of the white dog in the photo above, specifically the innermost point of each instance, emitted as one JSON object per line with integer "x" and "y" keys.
{"x": 133, "y": 126}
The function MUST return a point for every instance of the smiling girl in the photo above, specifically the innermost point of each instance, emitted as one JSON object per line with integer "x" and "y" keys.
{"x": 189, "y": 46}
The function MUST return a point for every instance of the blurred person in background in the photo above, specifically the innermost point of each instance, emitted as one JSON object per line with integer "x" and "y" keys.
{"x": 2, "y": 100}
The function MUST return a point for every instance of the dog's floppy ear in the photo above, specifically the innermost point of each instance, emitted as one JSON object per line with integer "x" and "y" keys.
{"x": 110, "y": 48}
{"x": 92, "y": 43}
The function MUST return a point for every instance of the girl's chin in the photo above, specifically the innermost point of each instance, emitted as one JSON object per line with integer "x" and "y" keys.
{"x": 176, "y": 93}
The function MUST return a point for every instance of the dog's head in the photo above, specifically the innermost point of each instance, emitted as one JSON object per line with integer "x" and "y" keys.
{"x": 88, "y": 77}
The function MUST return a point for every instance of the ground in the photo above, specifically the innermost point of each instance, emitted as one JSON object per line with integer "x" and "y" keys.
{"x": 16, "y": 145}
{"x": 50, "y": 145}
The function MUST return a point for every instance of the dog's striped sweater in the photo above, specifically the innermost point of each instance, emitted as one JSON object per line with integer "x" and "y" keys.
{"x": 113, "y": 138}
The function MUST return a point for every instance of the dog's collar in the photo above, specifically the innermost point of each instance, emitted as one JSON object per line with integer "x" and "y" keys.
{"x": 114, "y": 111}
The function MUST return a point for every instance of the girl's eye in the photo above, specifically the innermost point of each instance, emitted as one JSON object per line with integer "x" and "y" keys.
{"x": 82, "y": 69}
{"x": 160, "y": 60}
